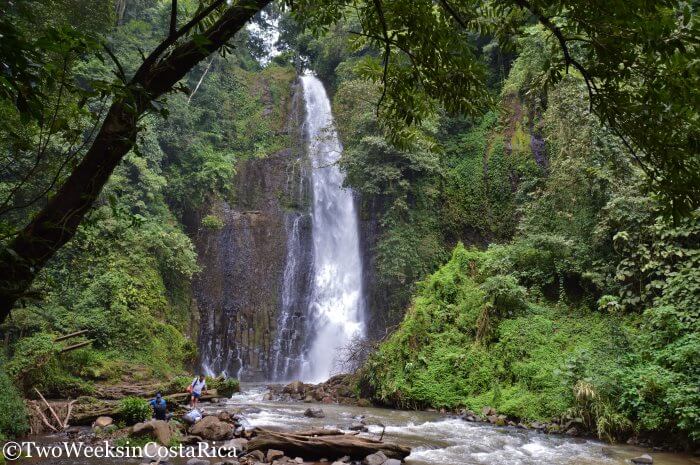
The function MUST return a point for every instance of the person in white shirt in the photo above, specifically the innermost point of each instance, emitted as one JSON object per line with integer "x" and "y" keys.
{"x": 198, "y": 386}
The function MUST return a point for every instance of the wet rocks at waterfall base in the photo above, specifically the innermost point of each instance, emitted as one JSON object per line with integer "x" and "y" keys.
{"x": 337, "y": 390}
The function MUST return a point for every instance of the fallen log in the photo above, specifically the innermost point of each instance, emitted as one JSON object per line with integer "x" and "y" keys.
{"x": 318, "y": 432}
{"x": 75, "y": 346}
{"x": 86, "y": 410}
{"x": 182, "y": 397}
{"x": 327, "y": 446}
{"x": 85, "y": 413}
{"x": 71, "y": 335}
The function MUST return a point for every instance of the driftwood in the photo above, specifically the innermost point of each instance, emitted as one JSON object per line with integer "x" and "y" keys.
{"x": 53, "y": 412}
{"x": 325, "y": 446}
{"x": 44, "y": 419}
{"x": 181, "y": 397}
{"x": 70, "y": 410}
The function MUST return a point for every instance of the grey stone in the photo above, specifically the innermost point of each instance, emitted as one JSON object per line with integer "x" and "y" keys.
{"x": 239, "y": 444}
{"x": 393, "y": 462}
{"x": 643, "y": 459}
{"x": 314, "y": 413}
{"x": 488, "y": 411}
{"x": 378, "y": 458}
{"x": 358, "y": 427}
{"x": 274, "y": 454}
{"x": 197, "y": 462}
{"x": 157, "y": 429}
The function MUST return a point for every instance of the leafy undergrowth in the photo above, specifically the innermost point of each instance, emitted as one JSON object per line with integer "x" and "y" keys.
{"x": 475, "y": 340}
{"x": 13, "y": 414}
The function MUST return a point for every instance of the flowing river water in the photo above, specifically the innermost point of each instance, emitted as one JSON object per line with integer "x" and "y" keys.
{"x": 440, "y": 439}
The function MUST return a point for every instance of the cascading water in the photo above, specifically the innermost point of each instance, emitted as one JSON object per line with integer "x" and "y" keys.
{"x": 335, "y": 305}
{"x": 286, "y": 360}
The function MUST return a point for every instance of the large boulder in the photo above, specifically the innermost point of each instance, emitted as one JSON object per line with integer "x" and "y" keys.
{"x": 643, "y": 459}
{"x": 212, "y": 429}
{"x": 157, "y": 429}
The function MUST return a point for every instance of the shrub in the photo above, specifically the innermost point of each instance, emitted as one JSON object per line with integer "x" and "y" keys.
{"x": 228, "y": 387}
{"x": 179, "y": 383}
{"x": 212, "y": 222}
{"x": 134, "y": 410}
{"x": 13, "y": 414}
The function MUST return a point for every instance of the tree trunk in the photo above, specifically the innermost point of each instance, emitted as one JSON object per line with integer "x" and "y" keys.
{"x": 58, "y": 221}
{"x": 326, "y": 446}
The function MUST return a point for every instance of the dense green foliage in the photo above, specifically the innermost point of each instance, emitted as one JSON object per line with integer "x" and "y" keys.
{"x": 640, "y": 68}
{"x": 125, "y": 277}
{"x": 554, "y": 138}
{"x": 572, "y": 314}
{"x": 13, "y": 416}
{"x": 134, "y": 410}
{"x": 565, "y": 314}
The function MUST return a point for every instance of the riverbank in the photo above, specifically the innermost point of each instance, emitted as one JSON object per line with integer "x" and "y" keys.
{"x": 433, "y": 437}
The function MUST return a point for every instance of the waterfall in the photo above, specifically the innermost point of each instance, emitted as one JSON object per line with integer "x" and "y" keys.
{"x": 335, "y": 309}
{"x": 286, "y": 360}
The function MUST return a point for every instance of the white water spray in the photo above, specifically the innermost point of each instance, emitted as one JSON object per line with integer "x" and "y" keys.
{"x": 336, "y": 305}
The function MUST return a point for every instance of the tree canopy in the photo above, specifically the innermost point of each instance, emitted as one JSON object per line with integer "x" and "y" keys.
{"x": 639, "y": 60}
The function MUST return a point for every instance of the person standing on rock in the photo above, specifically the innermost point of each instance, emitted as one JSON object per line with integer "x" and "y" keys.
{"x": 198, "y": 386}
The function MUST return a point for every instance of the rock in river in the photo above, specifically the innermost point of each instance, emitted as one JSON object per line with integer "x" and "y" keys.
{"x": 314, "y": 413}
{"x": 212, "y": 429}
{"x": 378, "y": 458}
{"x": 158, "y": 429}
{"x": 643, "y": 459}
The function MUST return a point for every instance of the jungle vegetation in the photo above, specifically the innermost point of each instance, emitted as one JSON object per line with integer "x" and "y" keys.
{"x": 532, "y": 165}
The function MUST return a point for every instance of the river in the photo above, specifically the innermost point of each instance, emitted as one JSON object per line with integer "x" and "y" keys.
{"x": 438, "y": 439}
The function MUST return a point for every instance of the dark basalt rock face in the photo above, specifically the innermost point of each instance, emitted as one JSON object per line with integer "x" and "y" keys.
{"x": 239, "y": 290}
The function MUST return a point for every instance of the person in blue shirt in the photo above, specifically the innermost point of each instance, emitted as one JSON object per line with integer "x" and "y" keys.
{"x": 160, "y": 407}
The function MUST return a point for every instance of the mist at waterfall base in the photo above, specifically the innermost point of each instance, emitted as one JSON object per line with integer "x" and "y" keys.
{"x": 335, "y": 305}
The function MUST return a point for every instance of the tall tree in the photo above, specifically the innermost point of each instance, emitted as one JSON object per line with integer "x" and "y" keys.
{"x": 57, "y": 222}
